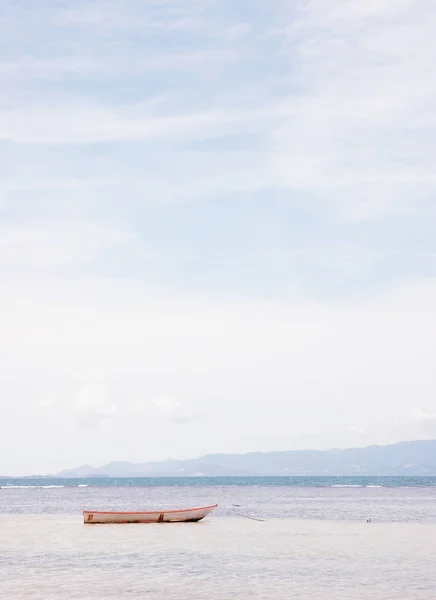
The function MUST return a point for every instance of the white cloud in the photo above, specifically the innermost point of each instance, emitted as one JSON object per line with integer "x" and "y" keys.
{"x": 90, "y": 405}
{"x": 422, "y": 423}
{"x": 75, "y": 124}
{"x": 155, "y": 15}
{"x": 355, "y": 134}
{"x": 420, "y": 415}
{"x": 49, "y": 245}
{"x": 33, "y": 68}
{"x": 94, "y": 405}
{"x": 170, "y": 409}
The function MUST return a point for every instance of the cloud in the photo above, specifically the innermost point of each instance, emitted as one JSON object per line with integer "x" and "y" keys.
{"x": 423, "y": 423}
{"x": 94, "y": 405}
{"x": 172, "y": 410}
{"x": 89, "y": 123}
{"x": 30, "y": 67}
{"x": 155, "y": 15}
{"x": 53, "y": 245}
{"x": 355, "y": 130}
{"x": 91, "y": 405}
{"x": 93, "y": 124}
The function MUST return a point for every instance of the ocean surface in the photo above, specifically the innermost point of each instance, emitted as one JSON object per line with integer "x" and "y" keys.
{"x": 312, "y": 540}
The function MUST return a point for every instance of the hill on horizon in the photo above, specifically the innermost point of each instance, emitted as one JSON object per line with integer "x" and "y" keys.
{"x": 413, "y": 458}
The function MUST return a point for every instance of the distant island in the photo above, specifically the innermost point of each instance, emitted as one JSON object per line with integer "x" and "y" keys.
{"x": 414, "y": 458}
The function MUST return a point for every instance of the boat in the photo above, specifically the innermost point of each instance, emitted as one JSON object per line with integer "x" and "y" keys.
{"x": 186, "y": 515}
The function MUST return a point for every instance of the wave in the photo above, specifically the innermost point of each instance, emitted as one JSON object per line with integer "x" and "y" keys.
{"x": 26, "y": 487}
{"x": 82, "y": 485}
{"x": 355, "y": 485}
{"x": 346, "y": 485}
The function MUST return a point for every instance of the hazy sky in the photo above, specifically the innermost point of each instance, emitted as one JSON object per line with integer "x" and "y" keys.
{"x": 217, "y": 227}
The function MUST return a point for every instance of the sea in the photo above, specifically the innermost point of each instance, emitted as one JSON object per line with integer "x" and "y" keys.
{"x": 275, "y": 538}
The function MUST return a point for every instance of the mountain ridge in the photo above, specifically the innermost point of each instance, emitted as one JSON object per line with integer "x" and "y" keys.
{"x": 416, "y": 457}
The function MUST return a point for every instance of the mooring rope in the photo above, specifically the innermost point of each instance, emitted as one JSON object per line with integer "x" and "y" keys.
{"x": 251, "y": 518}
{"x": 246, "y": 516}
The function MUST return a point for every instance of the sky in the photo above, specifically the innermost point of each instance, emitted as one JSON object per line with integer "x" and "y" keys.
{"x": 217, "y": 227}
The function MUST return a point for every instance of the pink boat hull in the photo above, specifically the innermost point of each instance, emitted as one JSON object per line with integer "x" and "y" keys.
{"x": 187, "y": 515}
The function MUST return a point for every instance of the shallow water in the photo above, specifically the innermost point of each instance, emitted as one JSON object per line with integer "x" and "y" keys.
{"x": 53, "y": 557}
{"x": 314, "y": 544}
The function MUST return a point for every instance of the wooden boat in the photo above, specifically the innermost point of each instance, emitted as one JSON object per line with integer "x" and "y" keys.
{"x": 187, "y": 515}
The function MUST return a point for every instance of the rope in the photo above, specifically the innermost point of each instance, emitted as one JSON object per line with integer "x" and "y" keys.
{"x": 246, "y": 516}
{"x": 251, "y": 518}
